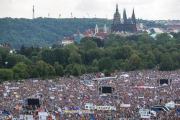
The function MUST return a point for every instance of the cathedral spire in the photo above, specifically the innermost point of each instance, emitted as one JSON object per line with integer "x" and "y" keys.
{"x": 133, "y": 17}
{"x": 117, "y": 12}
{"x": 124, "y": 16}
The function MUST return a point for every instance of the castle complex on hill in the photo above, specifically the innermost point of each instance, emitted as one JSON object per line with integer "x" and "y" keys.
{"x": 123, "y": 25}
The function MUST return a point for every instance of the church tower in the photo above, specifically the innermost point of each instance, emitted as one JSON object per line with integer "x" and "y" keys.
{"x": 123, "y": 25}
{"x": 105, "y": 28}
{"x": 117, "y": 16}
{"x": 133, "y": 17}
{"x": 96, "y": 29}
{"x": 124, "y": 16}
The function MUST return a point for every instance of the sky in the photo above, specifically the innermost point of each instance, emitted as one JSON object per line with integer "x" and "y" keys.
{"x": 144, "y": 9}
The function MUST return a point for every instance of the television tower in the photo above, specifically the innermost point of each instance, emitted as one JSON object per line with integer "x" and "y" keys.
{"x": 33, "y": 11}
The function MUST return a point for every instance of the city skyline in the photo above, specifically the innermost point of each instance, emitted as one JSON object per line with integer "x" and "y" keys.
{"x": 144, "y": 9}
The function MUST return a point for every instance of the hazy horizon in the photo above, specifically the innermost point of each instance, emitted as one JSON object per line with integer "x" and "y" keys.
{"x": 144, "y": 9}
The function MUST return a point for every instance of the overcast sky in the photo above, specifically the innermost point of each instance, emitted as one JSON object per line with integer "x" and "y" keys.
{"x": 145, "y": 9}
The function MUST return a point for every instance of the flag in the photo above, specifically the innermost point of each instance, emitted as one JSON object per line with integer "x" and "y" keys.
{"x": 16, "y": 109}
{"x": 55, "y": 112}
{"x": 143, "y": 102}
{"x": 6, "y": 112}
{"x": 79, "y": 115}
{"x": 7, "y": 117}
{"x": 92, "y": 117}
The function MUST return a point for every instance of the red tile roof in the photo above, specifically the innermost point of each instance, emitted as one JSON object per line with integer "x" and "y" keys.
{"x": 101, "y": 35}
{"x": 69, "y": 38}
{"x": 78, "y": 32}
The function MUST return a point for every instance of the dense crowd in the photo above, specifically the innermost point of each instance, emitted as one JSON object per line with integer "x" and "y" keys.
{"x": 73, "y": 93}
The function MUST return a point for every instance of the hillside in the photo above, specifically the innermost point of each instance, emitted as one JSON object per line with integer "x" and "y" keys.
{"x": 46, "y": 31}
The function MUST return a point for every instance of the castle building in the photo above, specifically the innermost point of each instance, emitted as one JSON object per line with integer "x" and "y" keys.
{"x": 78, "y": 36}
{"x": 123, "y": 25}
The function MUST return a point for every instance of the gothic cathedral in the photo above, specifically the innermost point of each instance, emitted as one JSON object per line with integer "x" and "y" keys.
{"x": 123, "y": 25}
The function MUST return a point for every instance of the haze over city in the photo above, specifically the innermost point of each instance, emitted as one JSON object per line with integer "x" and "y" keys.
{"x": 145, "y": 9}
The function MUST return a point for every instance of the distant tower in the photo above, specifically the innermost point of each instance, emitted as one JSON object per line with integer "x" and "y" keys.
{"x": 59, "y": 16}
{"x": 133, "y": 17}
{"x": 105, "y": 28}
{"x": 124, "y": 16}
{"x": 71, "y": 15}
{"x": 96, "y": 29}
{"x": 33, "y": 11}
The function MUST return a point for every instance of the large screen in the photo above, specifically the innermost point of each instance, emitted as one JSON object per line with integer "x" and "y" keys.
{"x": 107, "y": 89}
{"x": 33, "y": 101}
{"x": 163, "y": 81}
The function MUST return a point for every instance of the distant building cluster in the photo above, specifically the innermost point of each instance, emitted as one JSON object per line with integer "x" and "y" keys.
{"x": 98, "y": 33}
{"x": 125, "y": 27}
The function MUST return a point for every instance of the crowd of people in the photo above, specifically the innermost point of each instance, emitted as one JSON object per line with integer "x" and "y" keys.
{"x": 73, "y": 93}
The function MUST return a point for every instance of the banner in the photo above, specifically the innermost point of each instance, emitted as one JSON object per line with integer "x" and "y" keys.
{"x": 145, "y": 116}
{"x": 14, "y": 88}
{"x": 79, "y": 111}
{"x": 103, "y": 107}
{"x": 125, "y": 105}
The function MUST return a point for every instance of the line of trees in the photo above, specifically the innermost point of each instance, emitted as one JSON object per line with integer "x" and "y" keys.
{"x": 137, "y": 52}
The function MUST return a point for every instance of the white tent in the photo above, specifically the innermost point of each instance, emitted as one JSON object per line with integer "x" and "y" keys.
{"x": 124, "y": 75}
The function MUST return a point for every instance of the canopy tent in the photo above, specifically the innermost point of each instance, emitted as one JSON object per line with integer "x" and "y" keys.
{"x": 124, "y": 75}
{"x": 144, "y": 87}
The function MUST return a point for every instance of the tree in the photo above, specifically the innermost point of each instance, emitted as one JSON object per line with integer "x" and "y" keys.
{"x": 76, "y": 71}
{"x": 71, "y": 46}
{"x": 23, "y": 50}
{"x": 11, "y": 61}
{"x": 52, "y": 71}
{"x": 59, "y": 69}
{"x": 91, "y": 55}
{"x": 104, "y": 63}
{"x": 124, "y": 52}
{"x": 1, "y": 61}
{"x": 74, "y": 57}
{"x": 135, "y": 62}
{"x": 21, "y": 69}
{"x": 35, "y": 73}
{"x": 95, "y": 63}
{"x": 151, "y": 60}
{"x": 5, "y": 74}
{"x": 24, "y": 59}
{"x": 89, "y": 44}
{"x": 48, "y": 56}
{"x": 107, "y": 73}
{"x": 167, "y": 63}
{"x": 42, "y": 68}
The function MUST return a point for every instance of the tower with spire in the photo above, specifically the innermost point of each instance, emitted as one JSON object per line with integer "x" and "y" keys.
{"x": 105, "y": 29}
{"x": 123, "y": 25}
{"x": 96, "y": 29}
